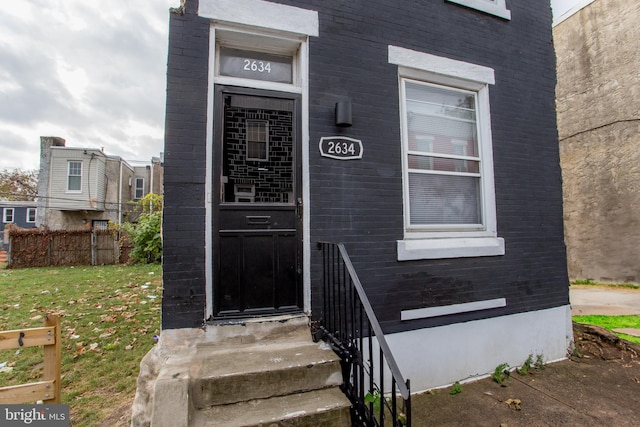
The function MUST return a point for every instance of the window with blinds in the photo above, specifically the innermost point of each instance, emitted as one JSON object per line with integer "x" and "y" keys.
{"x": 442, "y": 155}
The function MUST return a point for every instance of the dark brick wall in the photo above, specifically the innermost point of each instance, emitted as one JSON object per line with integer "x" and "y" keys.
{"x": 360, "y": 202}
{"x": 183, "y": 260}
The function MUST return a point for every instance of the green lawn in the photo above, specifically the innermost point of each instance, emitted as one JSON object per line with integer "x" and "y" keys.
{"x": 613, "y": 322}
{"x": 109, "y": 318}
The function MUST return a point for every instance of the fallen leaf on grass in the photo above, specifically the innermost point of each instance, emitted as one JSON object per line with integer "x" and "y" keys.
{"x": 109, "y": 318}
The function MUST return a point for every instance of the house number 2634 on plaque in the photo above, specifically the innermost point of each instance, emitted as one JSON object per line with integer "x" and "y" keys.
{"x": 341, "y": 148}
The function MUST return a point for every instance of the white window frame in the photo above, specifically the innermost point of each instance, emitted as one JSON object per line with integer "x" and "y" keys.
{"x": 69, "y": 163}
{"x": 6, "y": 213}
{"x": 137, "y": 187}
{"x": 493, "y": 7}
{"x": 29, "y": 211}
{"x": 452, "y": 242}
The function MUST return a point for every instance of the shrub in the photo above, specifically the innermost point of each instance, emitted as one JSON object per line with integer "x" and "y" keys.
{"x": 145, "y": 234}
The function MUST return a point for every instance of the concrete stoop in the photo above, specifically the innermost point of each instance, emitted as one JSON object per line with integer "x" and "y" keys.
{"x": 258, "y": 373}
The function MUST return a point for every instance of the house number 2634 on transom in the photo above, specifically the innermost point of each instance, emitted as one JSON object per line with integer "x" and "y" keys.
{"x": 259, "y": 66}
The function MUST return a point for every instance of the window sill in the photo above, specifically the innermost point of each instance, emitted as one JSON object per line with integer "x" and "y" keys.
{"x": 497, "y": 8}
{"x": 409, "y": 250}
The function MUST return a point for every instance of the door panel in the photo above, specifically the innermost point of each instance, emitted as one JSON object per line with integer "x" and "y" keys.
{"x": 257, "y": 222}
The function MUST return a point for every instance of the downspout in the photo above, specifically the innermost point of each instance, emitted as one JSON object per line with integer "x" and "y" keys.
{"x": 120, "y": 197}
{"x": 151, "y": 186}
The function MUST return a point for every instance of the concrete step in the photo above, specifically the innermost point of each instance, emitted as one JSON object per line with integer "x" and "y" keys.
{"x": 230, "y": 374}
{"x": 262, "y": 372}
{"x": 318, "y": 408}
{"x": 258, "y": 330}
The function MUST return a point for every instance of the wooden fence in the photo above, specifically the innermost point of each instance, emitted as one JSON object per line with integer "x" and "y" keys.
{"x": 44, "y": 248}
{"x": 49, "y": 389}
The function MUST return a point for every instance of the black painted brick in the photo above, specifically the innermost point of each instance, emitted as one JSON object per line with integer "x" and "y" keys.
{"x": 185, "y": 168}
{"x": 360, "y": 202}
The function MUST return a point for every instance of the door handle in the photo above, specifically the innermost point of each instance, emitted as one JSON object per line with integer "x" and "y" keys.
{"x": 299, "y": 206}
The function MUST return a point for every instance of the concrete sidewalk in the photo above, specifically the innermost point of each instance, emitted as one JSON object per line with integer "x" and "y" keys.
{"x": 605, "y": 300}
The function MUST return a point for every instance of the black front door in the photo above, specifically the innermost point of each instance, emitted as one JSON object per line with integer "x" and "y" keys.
{"x": 257, "y": 212}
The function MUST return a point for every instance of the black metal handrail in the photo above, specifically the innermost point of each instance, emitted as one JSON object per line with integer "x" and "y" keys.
{"x": 349, "y": 325}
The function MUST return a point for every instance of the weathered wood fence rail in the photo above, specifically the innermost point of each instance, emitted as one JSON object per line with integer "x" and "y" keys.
{"x": 49, "y": 389}
{"x": 44, "y": 248}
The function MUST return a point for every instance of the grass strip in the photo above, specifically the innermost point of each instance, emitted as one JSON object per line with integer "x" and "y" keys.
{"x": 612, "y": 322}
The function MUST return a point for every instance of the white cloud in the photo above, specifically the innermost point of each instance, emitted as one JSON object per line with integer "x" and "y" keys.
{"x": 90, "y": 72}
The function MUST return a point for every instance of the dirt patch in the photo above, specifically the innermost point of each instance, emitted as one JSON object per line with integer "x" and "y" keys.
{"x": 120, "y": 417}
{"x": 598, "y": 385}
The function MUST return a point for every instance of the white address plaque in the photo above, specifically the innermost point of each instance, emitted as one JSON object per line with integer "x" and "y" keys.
{"x": 341, "y": 148}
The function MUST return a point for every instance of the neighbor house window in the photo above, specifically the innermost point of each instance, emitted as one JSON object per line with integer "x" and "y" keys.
{"x": 494, "y": 7}
{"x": 100, "y": 224}
{"x": 74, "y": 176}
{"x": 31, "y": 215}
{"x": 257, "y": 140}
{"x": 139, "y": 190}
{"x": 449, "y": 200}
{"x": 7, "y": 215}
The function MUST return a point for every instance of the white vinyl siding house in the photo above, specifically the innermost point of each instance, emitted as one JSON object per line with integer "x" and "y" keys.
{"x": 77, "y": 179}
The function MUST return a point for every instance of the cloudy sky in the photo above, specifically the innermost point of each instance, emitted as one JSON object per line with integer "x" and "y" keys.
{"x": 91, "y": 72}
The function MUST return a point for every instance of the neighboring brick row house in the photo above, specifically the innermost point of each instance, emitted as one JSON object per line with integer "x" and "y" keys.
{"x": 84, "y": 187}
{"x": 598, "y": 107}
{"x": 422, "y": 135}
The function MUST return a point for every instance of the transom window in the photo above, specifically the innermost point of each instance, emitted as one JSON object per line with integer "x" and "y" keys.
{"x": 442, "y": 156}
{"x": 74, "y": 177}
